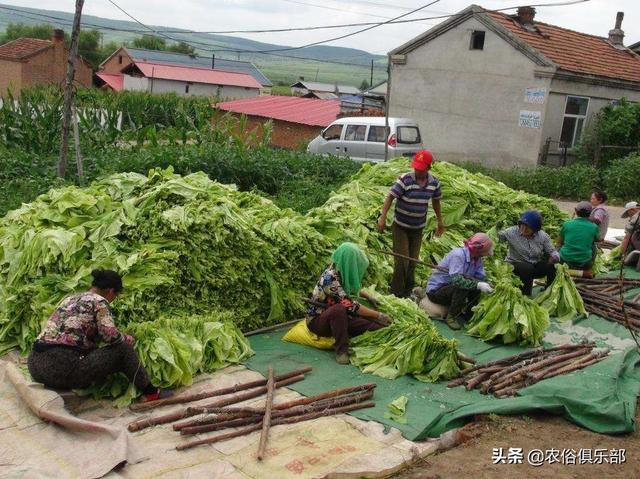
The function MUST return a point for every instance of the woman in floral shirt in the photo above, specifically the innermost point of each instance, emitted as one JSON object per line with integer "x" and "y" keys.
{"x": 344, "y": 317}
{"x": 80, "y": 343}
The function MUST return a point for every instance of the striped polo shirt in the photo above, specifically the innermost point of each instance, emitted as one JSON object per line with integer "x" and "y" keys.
{"x": 412, "y": 200}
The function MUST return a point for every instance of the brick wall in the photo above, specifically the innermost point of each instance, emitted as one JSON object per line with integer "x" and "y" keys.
{"x": 284, "y": 135}
{"x": 113, "y": 65}
{"x": 10, "y": 77}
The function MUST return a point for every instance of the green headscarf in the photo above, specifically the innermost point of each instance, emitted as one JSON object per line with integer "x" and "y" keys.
{"x": 351, "y": 263}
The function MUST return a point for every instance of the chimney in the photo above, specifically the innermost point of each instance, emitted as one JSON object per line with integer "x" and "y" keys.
{"x": 57, "y": 36}
{"x": 525, "y": 15}
{"x": 616, "y": 35}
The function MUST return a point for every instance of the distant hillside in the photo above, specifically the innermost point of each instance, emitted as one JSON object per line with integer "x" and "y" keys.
{"x": 352, "y": 67}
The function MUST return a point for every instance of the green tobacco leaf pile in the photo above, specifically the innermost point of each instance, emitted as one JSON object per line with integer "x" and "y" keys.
{"x": 561, "y": 299}
{"x": 471, "y": 202}
{"x": 410, "y": 345}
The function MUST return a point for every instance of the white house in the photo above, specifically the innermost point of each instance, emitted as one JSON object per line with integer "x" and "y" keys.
{"x": 506, "y": 90}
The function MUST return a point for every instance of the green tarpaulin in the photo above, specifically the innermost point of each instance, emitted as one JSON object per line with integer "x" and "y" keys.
{"x": 601, "y": 398}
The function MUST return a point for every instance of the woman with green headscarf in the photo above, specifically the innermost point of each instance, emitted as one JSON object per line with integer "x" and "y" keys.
{"x": 343, "y": 317}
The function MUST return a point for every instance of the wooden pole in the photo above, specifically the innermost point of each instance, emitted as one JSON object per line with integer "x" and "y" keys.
{"x": 76, "y": 141}
{"x": 184, "y": 398}
{"x": 277, "y": 421}
{"x": 68, "y": 90}
{"x": 266, "y": 420}
{"x": 184, "y": 413}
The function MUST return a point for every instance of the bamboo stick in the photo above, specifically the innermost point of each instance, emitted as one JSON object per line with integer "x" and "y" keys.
{"x": 268, "y": 329}
{"x": 276, "y": 422}
{"x": 211, "y": 424}
{"x": 184, "y": 413}
{"x": 183, "y": 398}
{"x": 266, "y": 420}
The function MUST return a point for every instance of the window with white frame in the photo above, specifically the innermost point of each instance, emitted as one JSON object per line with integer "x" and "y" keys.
{"x": 575, "y": 114}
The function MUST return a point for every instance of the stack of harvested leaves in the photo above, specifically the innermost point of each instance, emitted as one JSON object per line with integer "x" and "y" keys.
{"x": 561, "y": 299}
{"x": 504, "y": 377}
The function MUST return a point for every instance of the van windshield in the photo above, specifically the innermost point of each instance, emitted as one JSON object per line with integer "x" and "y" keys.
{"x": 409, "y": 135}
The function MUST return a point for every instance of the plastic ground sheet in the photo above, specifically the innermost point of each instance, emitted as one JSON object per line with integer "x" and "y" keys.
{"x": 601, "y": 397}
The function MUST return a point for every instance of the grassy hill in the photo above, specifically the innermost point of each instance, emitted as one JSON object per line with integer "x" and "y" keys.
{"x": 351, "y": 65}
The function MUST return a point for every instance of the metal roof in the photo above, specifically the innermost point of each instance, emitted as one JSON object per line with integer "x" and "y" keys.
{"x": 196, "y": 75}
{"x": 327, "y": 87}
{"x": 156, "y": 56}
{"x": 307, "y": 111}
{"x": 116, "y": 82}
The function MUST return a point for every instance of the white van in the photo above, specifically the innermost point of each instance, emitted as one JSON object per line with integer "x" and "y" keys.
{"x": 362, "y": 138}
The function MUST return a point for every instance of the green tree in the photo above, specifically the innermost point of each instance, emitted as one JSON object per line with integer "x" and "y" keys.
{"x": 182, "y": 47}
{"x": 364, "y": 85}
{"x": 19, "y": 30}
{"x": 89, "y": 47}
{"x": 150, "y": 42}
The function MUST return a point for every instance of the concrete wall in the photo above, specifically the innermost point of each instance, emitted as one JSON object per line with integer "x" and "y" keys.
{"x": 284, "y": 135}
{"x": 10, "y": 77}
{"x": 156, "y": 85}
{"x": 599, "y": 97}
{"x": 468, "y": 102}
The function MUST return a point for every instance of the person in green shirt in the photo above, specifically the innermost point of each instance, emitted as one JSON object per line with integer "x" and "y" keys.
{"x": 577, "y": 238}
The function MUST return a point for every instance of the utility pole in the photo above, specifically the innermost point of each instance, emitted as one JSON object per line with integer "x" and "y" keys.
{"x": 317, "y": 71}
{"x": 386, "y": 110}
{"x": 68, "y": 90}
{"x": 213, "y": 61}
{"x": 371, "y": 81}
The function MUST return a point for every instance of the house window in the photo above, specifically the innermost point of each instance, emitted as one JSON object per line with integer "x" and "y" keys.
{"x": 477, "y": 40}
{"x": 575, "y": 114}
{"x": 186, "y": 87}
{"x": 120, "y": 59}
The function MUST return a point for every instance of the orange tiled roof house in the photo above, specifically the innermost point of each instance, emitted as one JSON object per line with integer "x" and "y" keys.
{"x": 26, "y": 62}
{"x": 506, "y": 90}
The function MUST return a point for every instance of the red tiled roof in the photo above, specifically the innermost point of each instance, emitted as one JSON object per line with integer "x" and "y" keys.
{"x": 574, "y": 51}
{"x": 22, "y": 48}
{"x": 114, "y": 81}
{"x": 197, "y": 75}
{"x": 307, "y": 111}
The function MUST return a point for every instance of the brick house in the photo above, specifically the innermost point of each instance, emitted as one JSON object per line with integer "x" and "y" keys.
{"x": 27, "y": 62}
{"x": 295, "y": 120}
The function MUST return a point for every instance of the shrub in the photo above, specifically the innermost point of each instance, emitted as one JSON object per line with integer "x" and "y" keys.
{"x": 621, "y": 178}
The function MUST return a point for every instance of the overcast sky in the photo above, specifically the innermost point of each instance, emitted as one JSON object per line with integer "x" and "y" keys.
{"x": 596, "y": 17}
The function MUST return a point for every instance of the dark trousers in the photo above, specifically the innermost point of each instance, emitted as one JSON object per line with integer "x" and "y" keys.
{"x": 527, "y": 272}
{"x": 458, "y": 299}
{"x": 335, "y": 321}
{"x": 406, "y": 242}
{"x": 62, "y": 367}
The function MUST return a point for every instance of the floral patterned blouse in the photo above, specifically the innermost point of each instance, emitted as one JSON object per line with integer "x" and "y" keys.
{"x": 84, "y": 321}
{"x": 328, "y": 290}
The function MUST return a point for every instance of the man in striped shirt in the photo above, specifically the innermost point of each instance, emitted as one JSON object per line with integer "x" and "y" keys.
{"x": 412, "y": 191}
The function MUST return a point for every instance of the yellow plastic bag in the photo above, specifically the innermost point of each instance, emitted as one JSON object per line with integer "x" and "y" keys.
{"x": 300, "y": 334}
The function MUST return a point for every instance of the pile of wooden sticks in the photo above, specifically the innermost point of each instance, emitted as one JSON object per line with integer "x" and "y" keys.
{"x": 602, "y": 297}
{"x": 504, "y": 377}
{"x": 216, "y": 415}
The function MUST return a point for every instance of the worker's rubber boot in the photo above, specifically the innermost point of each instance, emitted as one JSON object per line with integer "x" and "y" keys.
{"x": 342, "y": 358}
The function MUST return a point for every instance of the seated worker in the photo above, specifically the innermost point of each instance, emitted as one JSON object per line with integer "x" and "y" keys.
{"x": 461, "y": 280}
{"x": 343, "y": 318}
{"x": 530, "y": 250}
{"x": 68, "y": 353}
{"x": 577, "y": 239}
{"x": 631, "y": 242}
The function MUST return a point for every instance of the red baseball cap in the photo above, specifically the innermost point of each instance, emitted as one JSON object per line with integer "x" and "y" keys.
{"x": 422, "y": 160}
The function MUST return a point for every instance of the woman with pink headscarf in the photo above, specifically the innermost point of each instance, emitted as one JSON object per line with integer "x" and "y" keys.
{"x": 460, "y": 278}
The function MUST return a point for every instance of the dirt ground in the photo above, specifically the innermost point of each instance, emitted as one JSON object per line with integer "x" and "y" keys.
{"x": 473, "y": 459}
{"x": 615, "y": 212}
